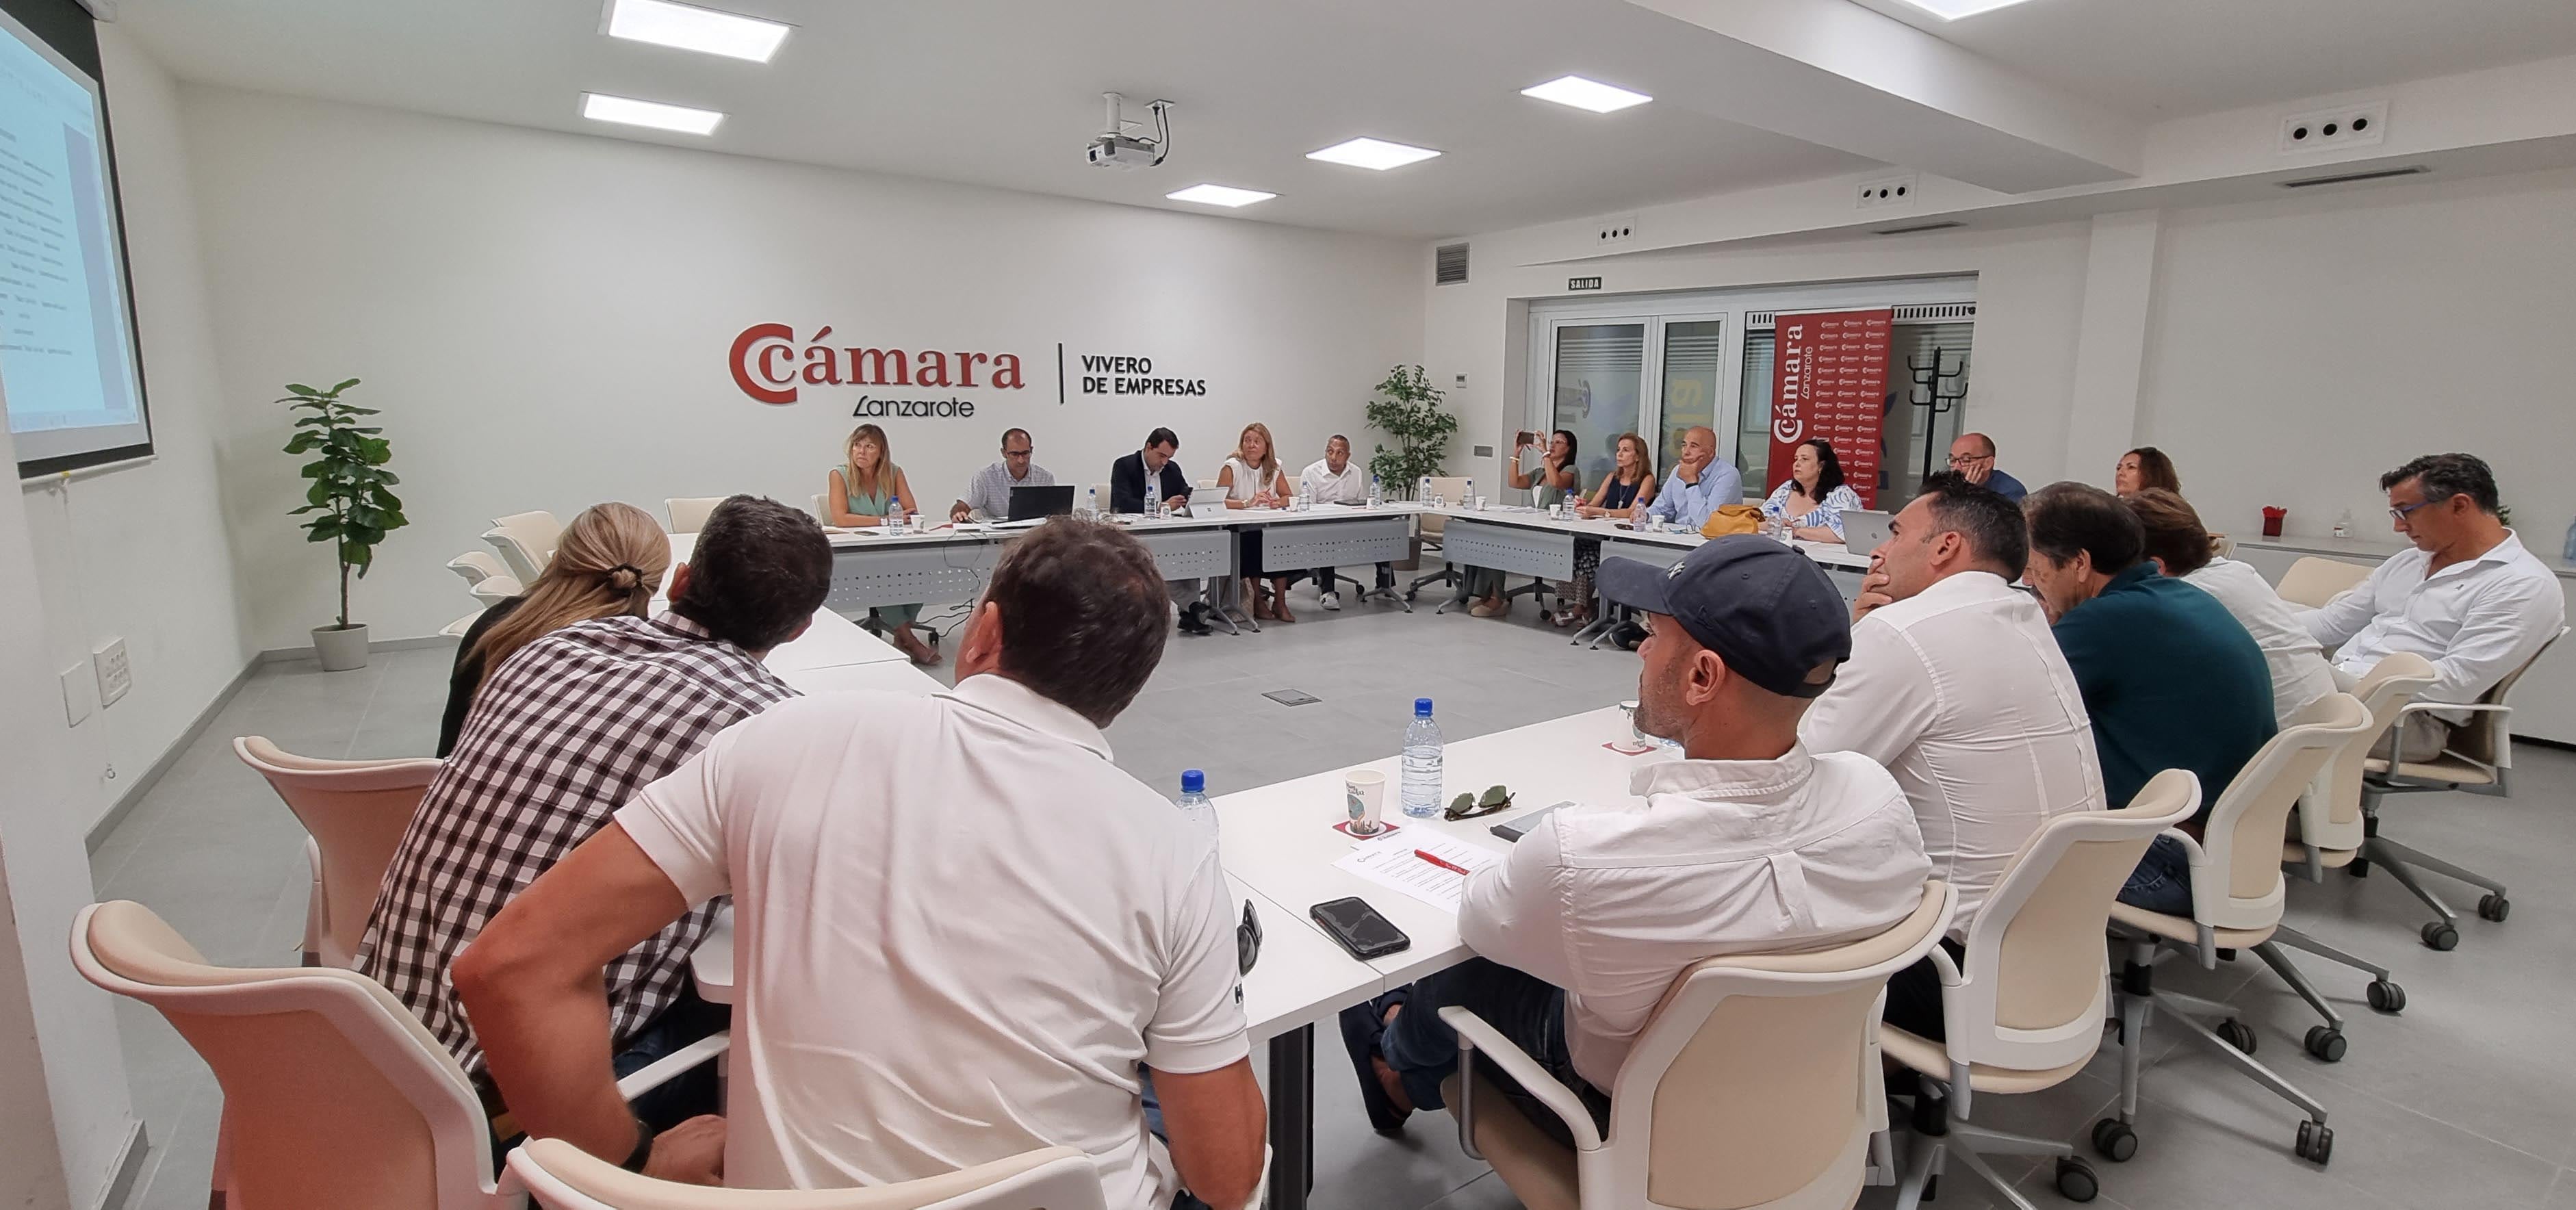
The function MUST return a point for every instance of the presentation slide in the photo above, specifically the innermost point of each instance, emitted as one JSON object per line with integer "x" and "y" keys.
{"x": 67, "y": 351}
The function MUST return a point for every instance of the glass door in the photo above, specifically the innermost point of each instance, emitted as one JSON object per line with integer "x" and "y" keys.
{"x": 1600, "y": 386}
{"x": 1694, "y": 364}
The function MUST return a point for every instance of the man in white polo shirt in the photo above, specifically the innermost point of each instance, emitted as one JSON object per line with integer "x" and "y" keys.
{"x": 1956, "y": 685}
{"x": 1335, "y": 479}
{"x": 960, "y": 932}
{"x": 1749, "y": 844}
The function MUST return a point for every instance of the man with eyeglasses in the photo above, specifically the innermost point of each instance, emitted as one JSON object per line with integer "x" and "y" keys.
{"x": 1973, "y": 456}
{"x": 988, "y": 495}
{"x": 2468, "y": 597}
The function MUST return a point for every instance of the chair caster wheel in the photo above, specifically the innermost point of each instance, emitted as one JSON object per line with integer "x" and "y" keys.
{"x": 2237, "y": 1034}
{"x": 2075, "y": 1180}
{"x": 2316, "y": 1143}
{"x": 2441, "y": 936}
{"x": 2325, "y": 1042}
{"x": 2495, "y": 908}
{"x": 2385, "y": 996}
{"x": 2115, "y": 1140}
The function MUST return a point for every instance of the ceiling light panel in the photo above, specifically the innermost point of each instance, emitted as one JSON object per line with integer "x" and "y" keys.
{"x": 1952, "y": 10}
{"x": 1372, "y": 153}
{"x": 628, "y": 111}
{"x": 1220, "y": 195}
{"x": 1586, "y": 94}
{"x": 689, "y": 27}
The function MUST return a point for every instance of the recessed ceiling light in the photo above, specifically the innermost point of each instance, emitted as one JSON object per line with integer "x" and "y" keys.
{"x": 689, "y": 27}
{"x": 1220, "y": 195}
{"x": 1372, "y": 153}
{"x": 1586, "y": 94}
{"x": 628, "y": 111}
{"x": 1952, "y": 10}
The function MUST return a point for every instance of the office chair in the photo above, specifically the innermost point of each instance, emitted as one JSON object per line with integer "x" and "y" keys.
{"x": 561, "y": 1176}
{"x": 2475, "y": 761}
{"x": 1433, "y": 526}
{"x": 688, "y": 514}
{"x": 354, "y": 814}
{"x": 526, "y": 542}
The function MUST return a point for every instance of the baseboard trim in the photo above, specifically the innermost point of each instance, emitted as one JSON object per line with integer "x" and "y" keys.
{"x": 276, "y": 654}
{"x": 126, "y": 802}
{"x": 129, "y": 1170}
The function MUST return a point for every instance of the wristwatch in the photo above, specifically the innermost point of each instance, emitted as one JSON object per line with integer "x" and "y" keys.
{"x": 643, "y": 1147}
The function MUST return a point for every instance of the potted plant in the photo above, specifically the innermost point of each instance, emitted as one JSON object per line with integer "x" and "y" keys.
{"x": 350, "y": 492}
{"x": 1407, "y": 408}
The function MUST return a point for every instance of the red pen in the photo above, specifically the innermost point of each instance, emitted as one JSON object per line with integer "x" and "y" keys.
{"x": 1452, "y": 867}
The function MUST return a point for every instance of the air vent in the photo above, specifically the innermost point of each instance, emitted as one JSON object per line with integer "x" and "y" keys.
{"x": 1449, "y": 267}
{"x": 1756, "y": 321}
{"x": 1911, "y": 228}
{"x": 2347, "y": 178}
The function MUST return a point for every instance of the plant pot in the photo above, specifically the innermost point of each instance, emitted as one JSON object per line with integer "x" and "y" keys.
{"x": 340, "y": 650}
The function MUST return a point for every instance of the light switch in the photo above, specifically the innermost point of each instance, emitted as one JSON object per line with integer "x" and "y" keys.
{"x": 115, "y": 674}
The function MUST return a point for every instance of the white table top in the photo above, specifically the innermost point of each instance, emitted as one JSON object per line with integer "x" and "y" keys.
{"x": 832, "y": 641}
{"x": 852, "y": 539}
{"x": 1279, "y": 839}
{"x": 1301, "y": 977}
{"x": 1830, "y": 554}
{"x": 886, "y": 676}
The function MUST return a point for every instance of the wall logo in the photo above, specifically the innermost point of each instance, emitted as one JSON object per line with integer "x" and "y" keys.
{"x": 1106, "y": 374}
{"x": 772, "y": 366}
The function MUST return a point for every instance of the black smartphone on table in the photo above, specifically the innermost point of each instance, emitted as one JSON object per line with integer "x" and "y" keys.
{"x": 1359, "y": 929}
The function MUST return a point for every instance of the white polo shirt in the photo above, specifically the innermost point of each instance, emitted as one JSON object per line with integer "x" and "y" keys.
{"x": 1961, "y": 692}
{"x": 958, "y": 928}
{"x": 2299, "y": 672}
{"x": 1329, "y": 488}
{"x": 2476, "y": 620}
{"x": 1611, "y": 900}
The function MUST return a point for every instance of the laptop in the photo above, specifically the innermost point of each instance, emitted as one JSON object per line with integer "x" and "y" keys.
{"x": 1865, "y": 530}
{"x": 1030, "y": 503}
{"x": 1208, "y": 501}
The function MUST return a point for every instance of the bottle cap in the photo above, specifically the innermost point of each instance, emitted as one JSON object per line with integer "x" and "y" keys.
{"x": 1193, "y": 781}
{"x": 1422, "y": 707}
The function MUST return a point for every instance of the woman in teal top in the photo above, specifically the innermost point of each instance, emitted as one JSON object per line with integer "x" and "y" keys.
{"x": 864, "y": 491}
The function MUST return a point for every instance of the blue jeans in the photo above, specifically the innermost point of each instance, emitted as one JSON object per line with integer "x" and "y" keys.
{"x": 1528, "y": 1011}
{"x": 2162, "y": 881}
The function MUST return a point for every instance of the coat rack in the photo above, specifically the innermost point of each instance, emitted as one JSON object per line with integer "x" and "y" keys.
{"x": 1937, "y": 391}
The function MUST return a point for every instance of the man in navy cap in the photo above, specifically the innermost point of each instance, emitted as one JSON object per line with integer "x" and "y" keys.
{"x": 1747, "y": 844}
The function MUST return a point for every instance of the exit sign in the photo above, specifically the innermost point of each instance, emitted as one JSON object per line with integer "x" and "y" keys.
{"x": 1582, "y": 283}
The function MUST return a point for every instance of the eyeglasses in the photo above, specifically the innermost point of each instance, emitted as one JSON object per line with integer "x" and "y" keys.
{"x": 2399, "y": 512}
{"x": 1247, "y": 940}
{"x": 1969, "y": 459}
{"x": 1469, "y": 806}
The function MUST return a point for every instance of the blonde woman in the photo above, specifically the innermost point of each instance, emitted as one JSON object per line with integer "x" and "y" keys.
{"x": 610, "y": 561}
{"x": 1624, "y": 494}
{"x": 866, "y": 489}
{"x": 1252, "y": 479}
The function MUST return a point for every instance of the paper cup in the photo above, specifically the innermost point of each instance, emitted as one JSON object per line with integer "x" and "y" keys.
{"x": 1364, "y": 798}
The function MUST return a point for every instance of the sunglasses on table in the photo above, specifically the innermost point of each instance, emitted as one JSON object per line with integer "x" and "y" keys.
{"x": 1469, "y": 806}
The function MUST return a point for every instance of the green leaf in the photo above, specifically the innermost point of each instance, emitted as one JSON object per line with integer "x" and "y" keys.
{"x": 301, "y": 389}
{"x": 352, "y": 409}
{"x": 344, "y": 386}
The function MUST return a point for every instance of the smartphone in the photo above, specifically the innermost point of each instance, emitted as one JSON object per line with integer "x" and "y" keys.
{"x": 1524, "y": 437}
{"x": 1359, "y": 928}
{"x": 1519, "y": 825}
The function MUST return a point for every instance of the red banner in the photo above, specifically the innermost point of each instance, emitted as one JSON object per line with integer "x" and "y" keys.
{"x": 1829, "y": 380}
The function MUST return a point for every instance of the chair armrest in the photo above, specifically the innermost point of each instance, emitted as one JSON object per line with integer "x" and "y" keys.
{"x": 2199, "y": 857}
{"x": 671, "y": 1066}
{"x": 2397, "y": 754}
{"x": 1475, "y": 1035}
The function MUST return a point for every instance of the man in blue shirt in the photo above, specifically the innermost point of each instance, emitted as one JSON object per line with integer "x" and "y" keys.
{"x": 1699, "y": 484}
{"x": 1973, "y": 456}
{"x": 2170, "y": 678}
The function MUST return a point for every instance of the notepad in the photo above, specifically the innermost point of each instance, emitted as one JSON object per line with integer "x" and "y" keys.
{"x": 1389, "y": 861}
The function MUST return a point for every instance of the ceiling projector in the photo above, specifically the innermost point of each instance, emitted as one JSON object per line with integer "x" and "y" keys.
{"x": 1115, "y": 147}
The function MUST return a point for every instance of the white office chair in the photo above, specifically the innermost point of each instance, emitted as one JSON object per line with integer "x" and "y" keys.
{"x": 496, "y": 589}
{"x": 2313, "y": 581}
{"x": 2022, "y": 1009}
{"x": 335, "y": 1096}
{"x": 457, "y": 628}
{"x": 526, "y": 542}
{"x": 1103, "y": 497}
{"x": 1432, "y": 527}
{"x": 475, "y": 567}
{"x": 2236, "y": 892}
{"x": 561, "y": 1176}
{"x": 2476, "y": 761}
{"x": 1753, "y": 1085}
{"x": 354, "y": 813}
{"x": 688, "y": 514}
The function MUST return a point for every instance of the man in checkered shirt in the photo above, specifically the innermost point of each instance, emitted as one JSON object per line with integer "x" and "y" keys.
{"x": 564, "y": 734}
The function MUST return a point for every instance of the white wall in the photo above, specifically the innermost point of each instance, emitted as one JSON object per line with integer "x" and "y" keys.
{"x": 175, "y": 607}
{"x": 545, "y": 320}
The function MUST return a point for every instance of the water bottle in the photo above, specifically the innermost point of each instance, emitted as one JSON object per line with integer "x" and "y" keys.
{"x": 894, "y": 515}
{"x": 1091, "y": 503}
{"x": 1377, "y": 492}
{"x": 1469, "y": 501}
{"x": 1195, "y": 807}
{"x": 2343, "y": 524}
{"x": 1421, "y": 792}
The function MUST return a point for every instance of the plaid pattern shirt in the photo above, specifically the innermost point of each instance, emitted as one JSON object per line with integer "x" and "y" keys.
{"x": 560, "y": 736}
{"x": 989, "y": 492}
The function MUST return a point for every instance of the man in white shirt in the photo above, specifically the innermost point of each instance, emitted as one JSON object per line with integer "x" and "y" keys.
{"x": 961, "y": 933}
{"x": 2469, "y": 598}
{"x": 2179, "y": 545}
{"x": 1337, "y": 480}
{"x": 988, "y": 494}
{"x": 1751, "y": 843}
{"x": 1956, "y": 686}
{"x": 1699, "y": 485}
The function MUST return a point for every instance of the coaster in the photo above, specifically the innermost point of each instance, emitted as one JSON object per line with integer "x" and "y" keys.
{"x": 1629, "y": 747}
{"x": 1384, "y": 826}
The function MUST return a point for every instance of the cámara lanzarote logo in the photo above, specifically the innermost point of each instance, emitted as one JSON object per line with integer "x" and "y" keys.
{"x": 770, "y": 365}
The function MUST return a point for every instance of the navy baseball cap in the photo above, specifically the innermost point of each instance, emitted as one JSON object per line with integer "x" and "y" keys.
{"x": 1767, "y": 610}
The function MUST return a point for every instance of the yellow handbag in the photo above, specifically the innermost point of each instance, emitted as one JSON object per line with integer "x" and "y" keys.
{"x": 1732, "y": 519}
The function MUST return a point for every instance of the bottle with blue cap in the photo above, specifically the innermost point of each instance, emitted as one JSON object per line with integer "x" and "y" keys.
{"x": 1195, "y": 807}
{"x": 1420, "y": 794}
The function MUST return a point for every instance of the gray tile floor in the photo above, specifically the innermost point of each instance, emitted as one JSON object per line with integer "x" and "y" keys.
{"x": 2465, "y": 1100}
